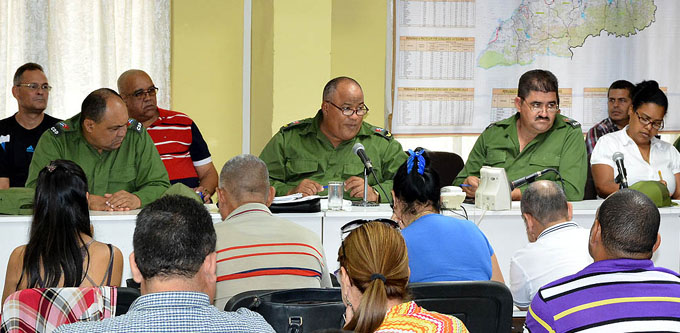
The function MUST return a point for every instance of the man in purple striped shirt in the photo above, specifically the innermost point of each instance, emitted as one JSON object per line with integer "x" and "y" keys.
{"x": 621, "y": 291}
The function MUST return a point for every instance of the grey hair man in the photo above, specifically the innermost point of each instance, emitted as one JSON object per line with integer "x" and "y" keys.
{"x": 174, "y": 261}
{"x": 557, "y": 246}
{"x": 256, "y": 250}
{"x": 622, "y": 291}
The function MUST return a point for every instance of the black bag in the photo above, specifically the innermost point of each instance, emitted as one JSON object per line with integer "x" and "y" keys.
{"x": 294, "y": 310}
{"x": 307, "y": 206}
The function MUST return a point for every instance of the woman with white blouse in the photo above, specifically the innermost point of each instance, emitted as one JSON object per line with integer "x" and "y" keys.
{"x": 645, "y": 156}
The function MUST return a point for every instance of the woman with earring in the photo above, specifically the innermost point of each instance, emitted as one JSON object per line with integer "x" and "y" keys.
{"x": 373, "y": 278}
{"x": 61, "y": 250}
{"x": 441, "y": 248}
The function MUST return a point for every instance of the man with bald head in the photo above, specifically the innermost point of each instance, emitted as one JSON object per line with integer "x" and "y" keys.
{"x": 557, "y": 245}
{"x": 256, "y": 250}
{"x": 306, "y": 154}
{"x": 123, "y": 168}
{"x": 184, "y": 152}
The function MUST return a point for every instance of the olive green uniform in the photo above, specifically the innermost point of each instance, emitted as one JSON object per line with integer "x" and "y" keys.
{"x": 676, "y": 144}
{"x": 135, "y": 167}
{"x": 301, "y": 151}
{"x": 561, "y": 147}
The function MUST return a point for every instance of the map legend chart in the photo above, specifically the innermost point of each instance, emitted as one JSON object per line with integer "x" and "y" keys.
{"x": 438, "y": 109}
{"x": 436, "y": 58}
{"x": 437, "y": 13}
{"x": 594, "y": 106}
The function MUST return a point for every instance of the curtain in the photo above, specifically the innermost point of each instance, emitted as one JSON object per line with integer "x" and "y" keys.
{"x": 83, "y": 45}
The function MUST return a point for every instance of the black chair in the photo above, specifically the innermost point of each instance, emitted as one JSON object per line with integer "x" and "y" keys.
{"x": 124, "y": 298}
{"x": 294, "y": 310}
{"x": 447, "y": 165}
{"x": 483, "y": 306}
{"x": 589, "y": 192}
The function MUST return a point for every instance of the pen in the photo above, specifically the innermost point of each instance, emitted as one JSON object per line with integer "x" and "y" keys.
{"x": 325, "y": 187}
{"x": 660, "y": 178}
{"x": 465, "y": 185}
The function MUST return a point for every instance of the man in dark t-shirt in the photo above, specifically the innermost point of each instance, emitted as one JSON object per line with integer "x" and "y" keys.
{"x": 19, "y": 133}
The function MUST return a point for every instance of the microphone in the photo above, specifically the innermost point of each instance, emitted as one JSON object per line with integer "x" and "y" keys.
{"x": 530, "y": 178}
{"x": 358, "y": 149}
{"x": 622, "y": 178}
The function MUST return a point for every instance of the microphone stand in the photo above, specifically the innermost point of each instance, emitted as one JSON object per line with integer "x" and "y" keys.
{"x": 364, "y": 202}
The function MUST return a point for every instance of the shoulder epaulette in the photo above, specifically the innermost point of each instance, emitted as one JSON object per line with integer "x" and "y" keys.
{"x": 491, "y": 125}
{"x": 135, "y": 125}
{"x": 572, "y": 122}
{"x": 59, "y": 128}
{"x": 382, "y": 132}
{"x": 294, "y": 124}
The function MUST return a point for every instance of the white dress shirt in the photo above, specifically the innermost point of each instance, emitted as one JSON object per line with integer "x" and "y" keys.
{"x": 560, "y": 250}
{"x": 662, "y": 157}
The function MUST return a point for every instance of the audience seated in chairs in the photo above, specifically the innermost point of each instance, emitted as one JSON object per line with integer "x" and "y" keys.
{"x": 373, "y": 277}
{"x": 174, "y": 261}
{"x": 61, "y": 251}
{"x": 440, "y": 248}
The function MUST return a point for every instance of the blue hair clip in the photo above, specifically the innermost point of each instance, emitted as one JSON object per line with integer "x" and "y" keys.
{"x": 420, "y": 162}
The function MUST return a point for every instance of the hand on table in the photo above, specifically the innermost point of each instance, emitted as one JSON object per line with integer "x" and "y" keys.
{"x": 355, "y": 186}
{"x": 307, "y": 187}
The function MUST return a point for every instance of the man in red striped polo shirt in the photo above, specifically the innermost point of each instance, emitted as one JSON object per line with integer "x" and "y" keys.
{"x": 256, "y": 250}
{"x": 177, "y": 138}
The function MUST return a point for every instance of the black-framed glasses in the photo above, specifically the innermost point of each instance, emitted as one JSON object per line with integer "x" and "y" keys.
{"x": 35, "y": 86}
{"x": 141, "y": 93}
{"x": 537, "y": 107}
{"x": 348, "y": 111}
{"x": 658, "y": 124}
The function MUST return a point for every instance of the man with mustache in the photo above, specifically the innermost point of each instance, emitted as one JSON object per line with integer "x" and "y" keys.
{"x": 619, "y": 98}
{"x": 305, "y": 155}
{"x": 122, "y": 165}
{"x": 19, "y": 133}
{"x": 535, "y": 138}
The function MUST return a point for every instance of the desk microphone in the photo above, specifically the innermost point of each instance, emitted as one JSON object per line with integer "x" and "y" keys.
{"x": 622, "y": 177}
{"x": 530, "y": 178}
{"x": 358, "y": 149}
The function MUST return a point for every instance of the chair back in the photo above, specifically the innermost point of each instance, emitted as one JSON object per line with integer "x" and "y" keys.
{"x": 483, "y": 306}
{"x": 447, "y": 165}
{"x": 294, "y": 310}
{"x": 45, "y": 309}
{"x": 124, "y": 299}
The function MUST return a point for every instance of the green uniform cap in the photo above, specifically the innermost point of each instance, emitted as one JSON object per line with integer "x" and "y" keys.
{"x": 656, "y": 191}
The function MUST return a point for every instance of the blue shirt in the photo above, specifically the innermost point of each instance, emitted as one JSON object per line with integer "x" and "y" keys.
{"x": 178, "y": 311}
{"x": 443, "y": 248}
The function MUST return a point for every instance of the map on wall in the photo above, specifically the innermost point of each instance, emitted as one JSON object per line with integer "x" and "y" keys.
{"x": 457, "y": 62}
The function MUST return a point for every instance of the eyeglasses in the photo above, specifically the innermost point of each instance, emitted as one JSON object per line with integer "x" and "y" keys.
{"x": 348, "y": 111}
{"x": 537, "y": 107}
{"x": 658, "y": 124}
{"x": 141, "y": 93}
{"x": 35, "y": 86}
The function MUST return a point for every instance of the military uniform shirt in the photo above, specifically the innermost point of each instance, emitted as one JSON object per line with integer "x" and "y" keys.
{"x": 301, "y": 151}
{"x": 561, "y": 147}
{"x": 134, "y": 167}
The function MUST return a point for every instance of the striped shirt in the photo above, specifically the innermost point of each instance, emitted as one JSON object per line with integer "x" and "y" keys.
{"x": 618, "y": 295}
{"x": 604, "y": 127}
{"x": 410, "y": 318}
{"x": 256, "y": 250}
{"x": 176, "y": 311}
{"x": 181, "y": 146}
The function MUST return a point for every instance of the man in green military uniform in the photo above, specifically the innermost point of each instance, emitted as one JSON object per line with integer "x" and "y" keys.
{"x": 535, "y": 138}
{"x": 305, "y": 155}
{"x": 123, "y": 168}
